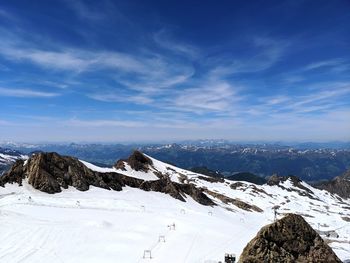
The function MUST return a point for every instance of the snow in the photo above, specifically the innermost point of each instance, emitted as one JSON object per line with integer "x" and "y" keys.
{"x": 129, "y": 171}
{"x": 8, "y": 159}
{"x": 99, "y": 225}
{"x": 112, "y": 225}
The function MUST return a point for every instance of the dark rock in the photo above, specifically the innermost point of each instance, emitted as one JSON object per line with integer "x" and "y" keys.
{"x": 340, "y": 185}
{"x": 236, "y": 185}
{"x": 296, "y": 182}
{"x": 290, "y": 239}
{"x": 120, "y": 165}
{"x": 225, "y": 199}
{"x": 177, "y": 190}
{"x": 50, "y": 172}
{"x": 137, "y": 161}
{"x": 16, "y": 172}
{"x": 211, "y": 179}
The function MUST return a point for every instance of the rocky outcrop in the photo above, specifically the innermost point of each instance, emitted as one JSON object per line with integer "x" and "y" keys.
{"x": 137, "y": 161}
{"x": 296, "y": 183}
{"x": 50, "y": 172}
{"x": 177, "y": 190}
{"x": 225, "y": 199}
{"x": 290, "y": 240}
{"x": 211, "y": 179}
{"x": 340, "y": 185}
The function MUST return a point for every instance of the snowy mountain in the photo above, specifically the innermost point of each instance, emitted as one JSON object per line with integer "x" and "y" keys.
{"x": 310, "y": 162}
{"x": 60, "y": 209}
{"x": 8, "y": 157}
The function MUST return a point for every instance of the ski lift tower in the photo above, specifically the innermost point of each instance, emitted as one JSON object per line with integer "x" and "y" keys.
{"x": 230, "y": 258}
{"x": 275, "y": 212}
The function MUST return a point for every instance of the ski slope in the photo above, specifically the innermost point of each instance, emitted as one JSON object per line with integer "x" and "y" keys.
{"x": 99, "y": 225}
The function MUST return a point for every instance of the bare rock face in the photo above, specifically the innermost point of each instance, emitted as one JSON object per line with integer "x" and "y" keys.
{"x": 139, "y": 162}
{"x": 177, "y": 190}
{"x": 50, "y": 172}
{"x": 290, "y": 240}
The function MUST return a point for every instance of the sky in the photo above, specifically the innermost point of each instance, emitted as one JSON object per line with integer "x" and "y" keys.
{"x": 127, "y": 71}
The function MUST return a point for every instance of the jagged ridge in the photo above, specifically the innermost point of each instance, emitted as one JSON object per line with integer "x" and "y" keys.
{"x": 49, "y": 172}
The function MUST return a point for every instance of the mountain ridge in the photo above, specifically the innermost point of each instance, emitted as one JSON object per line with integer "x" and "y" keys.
{"x": 143, "y": 188}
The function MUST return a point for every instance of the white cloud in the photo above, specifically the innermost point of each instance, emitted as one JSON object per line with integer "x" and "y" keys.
{"x": 103, "y": 123}
{"x": 212, "y": 97}
{"x": 115, "y": 97}
{"x": 324, "y": 64}
{"x": 26, "y": 93}
{"x": 163, "y": 39}
{"x": 265, "y": 53}
{"x": 322, "y": 97}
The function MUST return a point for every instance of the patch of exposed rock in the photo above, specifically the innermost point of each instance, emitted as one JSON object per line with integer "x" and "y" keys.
{"x": 211, "y": 179}
{"x": 50, "y": 172}
{"x": 137, "y": 161}
{"x": 290, "y": 240}
{"x": 243, "y": 205}
{"x": 296, "y": 182}
{"x": 339, "y": 185}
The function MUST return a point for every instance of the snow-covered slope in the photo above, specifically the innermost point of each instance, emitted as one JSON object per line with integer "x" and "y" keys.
{"x": 101, "y": 225}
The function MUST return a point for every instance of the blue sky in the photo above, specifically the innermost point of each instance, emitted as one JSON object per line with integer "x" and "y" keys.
{"x": 171, "y": 70}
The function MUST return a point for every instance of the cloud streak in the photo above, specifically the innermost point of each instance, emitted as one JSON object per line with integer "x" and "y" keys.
{"x": 26, "y": 93}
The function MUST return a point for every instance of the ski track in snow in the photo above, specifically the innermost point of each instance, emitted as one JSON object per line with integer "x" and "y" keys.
{"x": 109, "y": 226}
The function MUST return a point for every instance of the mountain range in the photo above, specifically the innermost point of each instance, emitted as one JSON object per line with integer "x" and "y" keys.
{"x": 306, "y": 161}
{"x": 170, "y": 214}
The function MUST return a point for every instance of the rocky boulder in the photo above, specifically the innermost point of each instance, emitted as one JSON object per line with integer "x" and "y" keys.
{"x": 290, "y": 240}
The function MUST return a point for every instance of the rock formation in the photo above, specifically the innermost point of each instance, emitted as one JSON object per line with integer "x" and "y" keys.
{"x": 50, "y": 172}
{"x": 339, "y": 185}
{"x": 289, "y": 240}
{"x": 137, "y": 161}
{"x": 296, "y": 183}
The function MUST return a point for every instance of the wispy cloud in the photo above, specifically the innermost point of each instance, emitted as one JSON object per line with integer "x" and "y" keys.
{"x": 26, "y": 93}
{"x": 165, "y": 82}
{"x": 332, "y": 63}
{"x": 84, "y": 11}
{"x": 146, "y": 71}
{"x": 212, "y": 97}
{"x": 163, "y": 39}
{"x": 322, "y": 97}
{"x": 117, "y": 97}
{"x": 103, "y": 123}
{"x": 266, "y": 53}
